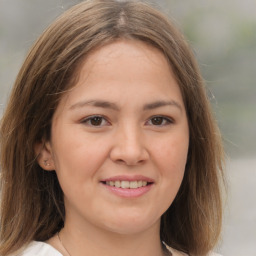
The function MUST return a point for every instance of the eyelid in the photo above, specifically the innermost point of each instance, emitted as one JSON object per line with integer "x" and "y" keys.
{"x": 166, "y": 118}
{"x": 88, "y": 118}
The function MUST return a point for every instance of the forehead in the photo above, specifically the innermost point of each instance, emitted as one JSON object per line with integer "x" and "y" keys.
{"x": 124, "y": 67}
{"x": 120, "y": 55}
{"x": 123, "y": 49}
{"x": 117, "y": 47}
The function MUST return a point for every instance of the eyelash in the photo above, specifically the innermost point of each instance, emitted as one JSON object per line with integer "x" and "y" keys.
{"x": 167, "y": 120}
{"x": 100, "y": 119}
{"x": 89, "y": 120}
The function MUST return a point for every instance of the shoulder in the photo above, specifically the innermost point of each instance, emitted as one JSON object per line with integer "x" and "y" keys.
{"x": 39, "y": 249}
{"x": 178, "y": 253}
{"x": 213, "y": 254}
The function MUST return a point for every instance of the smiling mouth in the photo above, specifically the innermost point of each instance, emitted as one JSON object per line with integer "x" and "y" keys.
{"x": 127, "y": 184}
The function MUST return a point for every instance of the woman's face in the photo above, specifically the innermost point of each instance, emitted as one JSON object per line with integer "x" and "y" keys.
{"x": 120, "y": 140}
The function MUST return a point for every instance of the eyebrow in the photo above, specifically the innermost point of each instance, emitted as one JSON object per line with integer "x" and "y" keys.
{"x": 95, "y": 103}
{"x": 161, "y": 103}
{"x": 113, "y": 106}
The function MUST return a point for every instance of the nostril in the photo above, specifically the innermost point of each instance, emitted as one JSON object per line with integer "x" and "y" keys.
{"x": 120, "y": 161}
{"x": 130, "y": 161}
{"x": 129, "y": 153}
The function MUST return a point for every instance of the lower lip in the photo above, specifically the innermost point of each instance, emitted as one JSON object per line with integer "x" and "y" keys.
{"x": 129, "y": 192}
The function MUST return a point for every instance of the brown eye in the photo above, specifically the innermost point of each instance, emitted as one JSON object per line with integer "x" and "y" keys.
{"x": 95, "y": 121}
{"x": 159, "y": 121}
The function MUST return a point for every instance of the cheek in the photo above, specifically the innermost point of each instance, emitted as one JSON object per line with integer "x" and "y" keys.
{"x": 78, "y": 157}
{"x": 171, "y": 160}
{"x": 172, "y": 153}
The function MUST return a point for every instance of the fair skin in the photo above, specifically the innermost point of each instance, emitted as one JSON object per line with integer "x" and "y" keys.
{"x": 123, "y": 124}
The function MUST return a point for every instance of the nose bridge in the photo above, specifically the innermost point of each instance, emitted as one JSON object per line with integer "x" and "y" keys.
{"x": 129, "y": 146}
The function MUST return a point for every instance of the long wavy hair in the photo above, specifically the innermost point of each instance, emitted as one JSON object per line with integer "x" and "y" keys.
{"x": 32, "y": 205}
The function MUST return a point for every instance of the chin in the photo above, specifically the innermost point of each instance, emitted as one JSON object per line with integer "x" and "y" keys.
{"x": 127, "y": 225}
{"x": 128, "y": 229}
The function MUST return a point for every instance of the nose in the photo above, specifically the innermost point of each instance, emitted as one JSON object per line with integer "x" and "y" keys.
{"x": 129, "y": 147}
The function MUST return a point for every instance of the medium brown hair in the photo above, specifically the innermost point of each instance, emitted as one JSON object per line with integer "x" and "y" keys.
{"x": 32, "y": 205}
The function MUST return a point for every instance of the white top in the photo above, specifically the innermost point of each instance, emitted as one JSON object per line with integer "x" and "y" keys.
{"x": 40, "y": 249}
{"x": 44, "y": 249}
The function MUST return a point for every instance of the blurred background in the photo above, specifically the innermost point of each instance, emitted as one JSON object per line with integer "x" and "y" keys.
{"x": 223, "y": 37}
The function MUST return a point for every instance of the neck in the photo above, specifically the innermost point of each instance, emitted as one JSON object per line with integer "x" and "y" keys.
{"x": 93, "y": 242}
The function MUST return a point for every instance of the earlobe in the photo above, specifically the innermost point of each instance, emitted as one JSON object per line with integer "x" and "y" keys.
{"x": 44, "y": 157}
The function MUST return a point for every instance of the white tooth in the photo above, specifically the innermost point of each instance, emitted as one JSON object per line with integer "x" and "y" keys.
{"x": 108, "y": 183}
{"x": 139, "y": 183}
{"x": 133, "y": 184}
{"x": 112, "y": 183}
{"x": 144, "y": 183}
{"x": 125, "y": 184}
{"x": 117, "y": 184}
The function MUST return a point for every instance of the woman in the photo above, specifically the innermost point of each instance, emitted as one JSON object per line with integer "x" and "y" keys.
{"x": 108, "y": 144}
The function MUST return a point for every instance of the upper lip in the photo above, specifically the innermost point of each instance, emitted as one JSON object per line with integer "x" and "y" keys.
{"x": 128, "y": 178}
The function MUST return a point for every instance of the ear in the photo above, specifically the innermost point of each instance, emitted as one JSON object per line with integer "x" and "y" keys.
{"x": 44, "y": 155}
